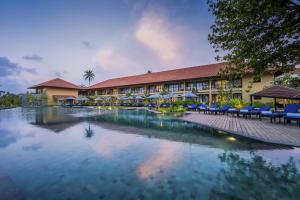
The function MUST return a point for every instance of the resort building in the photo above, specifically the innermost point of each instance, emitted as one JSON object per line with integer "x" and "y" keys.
{"x": 56, "y": 90}
{"x": 204, "y": 81}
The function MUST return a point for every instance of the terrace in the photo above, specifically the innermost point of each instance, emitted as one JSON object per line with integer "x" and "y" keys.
{"x": 251, "y": 128}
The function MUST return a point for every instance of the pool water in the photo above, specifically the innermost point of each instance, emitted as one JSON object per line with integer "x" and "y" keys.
{"x": 63, "y": 153}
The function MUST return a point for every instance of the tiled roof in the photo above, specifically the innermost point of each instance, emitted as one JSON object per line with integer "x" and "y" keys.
{"x": 204, "y": 71}
{"x": 56, "y": 83}
{"x": 277, "y": 91}
{"x": 297, "y": 70}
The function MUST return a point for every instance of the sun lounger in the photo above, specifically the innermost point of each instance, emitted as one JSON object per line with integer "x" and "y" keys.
{"x": 202, "y": 107}
{"x": 291, "y": 108}
{"x": 233, "y": 111}
{"x": 257, "y": 112}
{"x": 213, "y": 108}
{"x": 192, "y": 107}
{"x": 245, "y": 111}
{"x": 292, "y": 117}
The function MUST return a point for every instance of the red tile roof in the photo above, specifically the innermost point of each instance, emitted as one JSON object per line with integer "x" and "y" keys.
{"x": 56, "y": 83}
{"x": 204, "y": 71}
{"x": 297, "y": 70}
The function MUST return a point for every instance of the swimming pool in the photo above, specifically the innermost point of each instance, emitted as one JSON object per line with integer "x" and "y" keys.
{"x": 62, "y": 153}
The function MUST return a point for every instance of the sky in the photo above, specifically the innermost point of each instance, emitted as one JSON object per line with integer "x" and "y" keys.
{"x": 42, "y": 40}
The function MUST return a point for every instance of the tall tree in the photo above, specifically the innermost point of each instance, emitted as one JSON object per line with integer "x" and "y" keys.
{"x": 89, "y": 75}
{"x": 253, "y": 35}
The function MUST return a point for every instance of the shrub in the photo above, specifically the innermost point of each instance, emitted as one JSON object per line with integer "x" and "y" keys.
{"x": 236, "y": 103}
{"x": 260, "y": 104}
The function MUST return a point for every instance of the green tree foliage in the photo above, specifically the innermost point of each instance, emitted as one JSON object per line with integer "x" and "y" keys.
{"x": 89, "y": 75}
{"x": 255, "y": 178}
{"x": 9, "y": 100}
{"x": 288, "y": 80}
{"x": 253, "y": 35}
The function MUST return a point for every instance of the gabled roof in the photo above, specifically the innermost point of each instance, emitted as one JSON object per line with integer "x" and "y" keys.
{"x": 277, "y": 91}
{"x": 56, "y": 83}
{"x": 204, "y": 71}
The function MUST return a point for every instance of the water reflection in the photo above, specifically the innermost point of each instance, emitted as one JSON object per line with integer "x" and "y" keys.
{"x": 7, "y": 138}
{"x": 255, "y": 178}
{"x": 88, "y": 131}
{"x": 135, "y": 155}
{"x": 166, "y": 156}
{"x": 144, "y": 123}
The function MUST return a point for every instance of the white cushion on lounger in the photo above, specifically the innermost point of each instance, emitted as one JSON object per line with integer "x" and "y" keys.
{"x": 293, "y": 114}
{"x": 213, "y": 108}
{"x": 266, "y": 112}
{"x": 231, "y": 109}
{"x": 202, "y": 107}
{"x": 244, "y": 110}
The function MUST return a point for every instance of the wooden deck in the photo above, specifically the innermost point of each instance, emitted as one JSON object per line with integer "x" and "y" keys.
{"x": 251, "y": 128}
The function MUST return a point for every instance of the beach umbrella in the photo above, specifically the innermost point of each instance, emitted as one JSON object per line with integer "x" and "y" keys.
{"x": 78, "y": 99}
{"x": 139, "y": 97}
{"x": 167, "y": 96}
{"x": 98, "y": 99}
{"x": 176, "y": 95}
{"x": 189, "y": 95}
{"x": 84, "y": 99}
{"x": 155, "y": 96}
{"x": 124, "y": 98}
{"x": 70, "y": 98}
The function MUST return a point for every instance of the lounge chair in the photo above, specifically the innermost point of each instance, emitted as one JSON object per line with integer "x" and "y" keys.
{"x": 223, "y": 109}
{"x": 257, "y": 112}
{"x": 202, "y": 107}
{"x": 246, "y": 110}
{"x": 213, "y": 108}
{"x": 233, "y": 111}
{"x": 192, "y": 107}
{"x": 291, "y": 117}
{"x": 151, "y": 105}
{"x": 291, "y": 108}
{"x": 165, "y": 105}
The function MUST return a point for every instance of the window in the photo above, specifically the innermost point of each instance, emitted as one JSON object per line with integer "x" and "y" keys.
{"x": 237, "y": 96}
{"x": 137, "y": 90}
{"x": 152, "y": 89}
{"x": 110, "y": 91}
{"x": 203, "y": 85}
{"x": 236, "y": 83}
{"x": 216, "y": 84}
{"x": 101, "y": 92}
{"x": 174, "y": 87}
{"x": 125, "y": 90}
{"x": 190, "y": 86}
{"x": 203, "y": 98}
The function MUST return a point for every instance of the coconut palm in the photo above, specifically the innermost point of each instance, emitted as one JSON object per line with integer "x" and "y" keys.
{"x": 89, "y": 75}
{"x": 89, "y": 132}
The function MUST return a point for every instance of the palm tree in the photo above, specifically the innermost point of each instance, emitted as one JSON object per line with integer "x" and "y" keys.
{"x": 89, "y": 132}
{"x": 89, "y": 75}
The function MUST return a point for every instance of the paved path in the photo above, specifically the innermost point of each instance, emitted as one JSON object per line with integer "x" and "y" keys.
{"x": 252, "y": 128}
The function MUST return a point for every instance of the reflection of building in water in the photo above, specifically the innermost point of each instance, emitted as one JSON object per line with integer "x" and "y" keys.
{"x": 148, "y": 124}
{"x": 55, "y": 120}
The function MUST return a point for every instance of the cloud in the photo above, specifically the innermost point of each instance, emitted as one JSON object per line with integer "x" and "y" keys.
{"x": 155, "y": 31}
{"x": 33, "y": 57}
{"x": 88, "y": 45}
{"x": 109, "y": 60}
{"x": 8, "y": 68}
{"x": 12, "y": 75}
